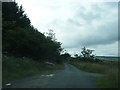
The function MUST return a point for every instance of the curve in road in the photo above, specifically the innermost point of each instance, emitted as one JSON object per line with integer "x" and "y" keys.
{"x": 70, "y": 77}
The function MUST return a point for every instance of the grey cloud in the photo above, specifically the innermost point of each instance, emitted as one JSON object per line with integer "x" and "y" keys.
{"x": 88, "y": 16}
{"x": 105, "y": 34}
{"x": 80, "y": 27}
{"x": 74, "y": 22}
{"x": 111, "y": 4}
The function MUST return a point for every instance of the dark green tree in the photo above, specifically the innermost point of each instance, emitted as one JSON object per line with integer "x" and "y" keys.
{"x": 87, "y": 55}
{"x": 20, "y": 39}
{"x": 76, "y": 55}
{"x": 13, "y": 16}
{"x": 87, "y": 52}
{"x": 66, "y": 55}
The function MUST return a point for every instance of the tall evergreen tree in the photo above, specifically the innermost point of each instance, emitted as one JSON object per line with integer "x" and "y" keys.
{"x": 13, "y": 16}
{"x": 21, "y": 39}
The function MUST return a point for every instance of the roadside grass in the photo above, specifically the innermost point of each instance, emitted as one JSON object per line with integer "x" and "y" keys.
{"x": 110, "y": 80}
{"x": 108, "y": 68}
{"x": 14, "y": 68}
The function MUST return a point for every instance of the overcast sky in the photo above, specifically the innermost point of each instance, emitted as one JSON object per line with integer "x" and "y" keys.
{"x": 77, "y": 24}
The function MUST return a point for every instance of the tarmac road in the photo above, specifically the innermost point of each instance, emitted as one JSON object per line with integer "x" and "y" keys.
{"x": 70, "y": 77}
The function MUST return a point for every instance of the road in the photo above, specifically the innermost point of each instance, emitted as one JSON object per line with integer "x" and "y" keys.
{"x": 70, "y": 77}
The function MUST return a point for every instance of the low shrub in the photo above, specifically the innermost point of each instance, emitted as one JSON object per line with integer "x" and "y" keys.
{"x": 14, "y": 68}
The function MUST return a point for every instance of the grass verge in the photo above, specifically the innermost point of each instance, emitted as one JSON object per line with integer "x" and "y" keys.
{"x": 14, "y": 68}
{"x": 109, "y": 68}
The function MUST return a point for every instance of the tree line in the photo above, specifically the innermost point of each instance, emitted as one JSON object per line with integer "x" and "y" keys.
{"x": 85, "y": 56}
{"x": 21, "y": 39}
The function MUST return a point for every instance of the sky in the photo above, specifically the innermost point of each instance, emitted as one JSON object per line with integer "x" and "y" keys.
{"x": 77, "y": 24}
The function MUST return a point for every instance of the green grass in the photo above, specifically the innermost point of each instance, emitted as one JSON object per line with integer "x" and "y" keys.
{"x": 108, "y": 68}
{"x": 14, "y": 68}
{"x": 110, "y": 80}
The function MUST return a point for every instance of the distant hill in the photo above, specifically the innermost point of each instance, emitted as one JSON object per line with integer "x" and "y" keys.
{"x": 108, "y": 57}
